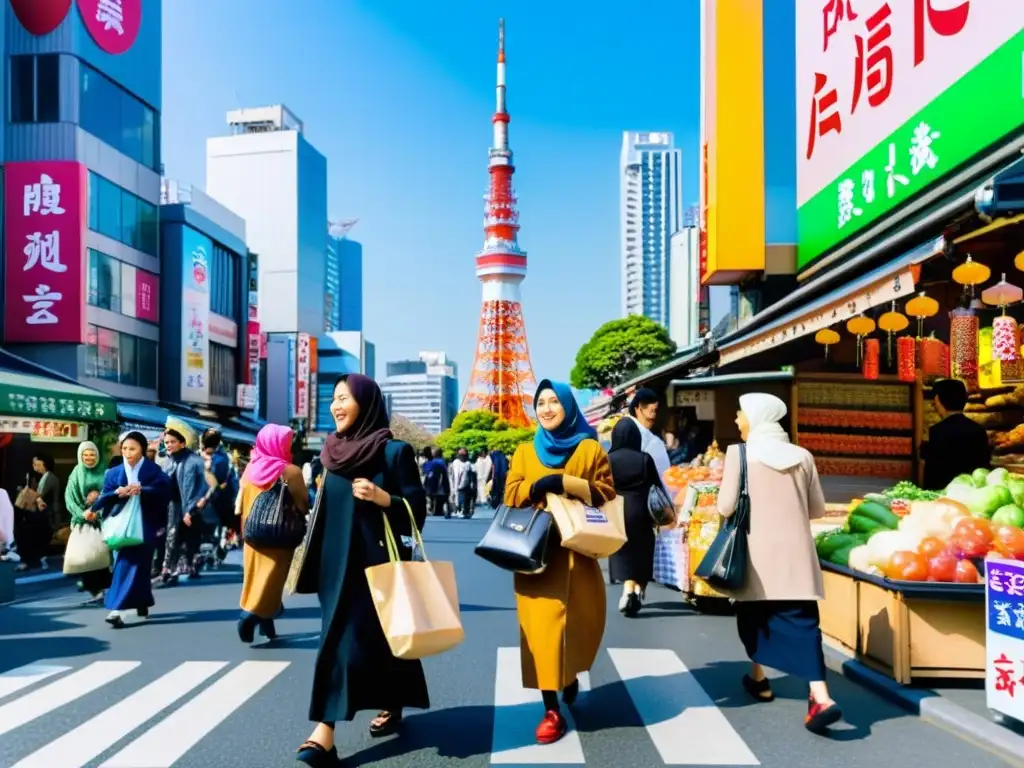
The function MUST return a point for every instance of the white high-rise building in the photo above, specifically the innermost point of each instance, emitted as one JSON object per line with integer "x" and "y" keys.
{"x": 425, "y": 391}
{"x": 684, "y": 287}
{"x": 268, "y": 174}
{"x": 651, "y": 210}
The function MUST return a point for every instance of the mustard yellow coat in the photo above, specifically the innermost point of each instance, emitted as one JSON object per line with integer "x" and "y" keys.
{"x": 562, "y": 610}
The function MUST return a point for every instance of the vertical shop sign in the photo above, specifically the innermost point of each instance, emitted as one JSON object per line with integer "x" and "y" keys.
{"x": 1004, "y": 636}
{"x": 147, "y": 296}
{"x": 302, "y": 378}
{"x": 45, "y": 275}
{"x": 291, "y": 376}
{"x": 195, "y": 316}
{"x": 252, "y": 346}
{"x": 112, "y": 24}
{"x": 314, "y": 395}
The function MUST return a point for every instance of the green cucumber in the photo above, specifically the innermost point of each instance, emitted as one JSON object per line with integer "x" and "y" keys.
{"x": 861, "y": 524}
{"x": 880, "y": 514}
{"x": 836, "y": 542}
{"x": 841, "y": 556}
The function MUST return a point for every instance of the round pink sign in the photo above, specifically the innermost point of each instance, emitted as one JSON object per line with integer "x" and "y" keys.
{"x": 113, "y": 24}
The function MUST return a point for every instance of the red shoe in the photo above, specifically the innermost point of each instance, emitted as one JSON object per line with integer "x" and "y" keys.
{"x": 551, "y": 728}
{"x": 821, "y": 716}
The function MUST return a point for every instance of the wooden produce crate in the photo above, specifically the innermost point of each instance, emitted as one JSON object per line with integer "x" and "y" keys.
{"x": 908, "y": 631}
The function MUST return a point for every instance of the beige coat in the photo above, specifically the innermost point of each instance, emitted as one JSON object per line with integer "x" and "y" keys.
{"x": 783, "y": 562}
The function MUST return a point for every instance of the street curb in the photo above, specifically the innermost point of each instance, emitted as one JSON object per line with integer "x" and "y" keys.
{"x": 933, "y": 708}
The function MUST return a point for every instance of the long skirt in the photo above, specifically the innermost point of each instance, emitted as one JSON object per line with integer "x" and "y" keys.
{"x": 561, "y": 620}
{"x": 635, "y": 560}
{"x": 784, "y": 635}
{"x": 264, "y": 574}
{"x": 131, "y": 587}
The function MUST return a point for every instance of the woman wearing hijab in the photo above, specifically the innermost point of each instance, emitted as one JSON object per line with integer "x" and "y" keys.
{"x": 634, "y": 474}
{"x": 777, "y": 609}
{"x": 86, "y": 477}
{"x": 265, "y": 571}
{"x": 131, "y": 587}
{"x": 368, "y": 475}
{"x": 562, "y": 610}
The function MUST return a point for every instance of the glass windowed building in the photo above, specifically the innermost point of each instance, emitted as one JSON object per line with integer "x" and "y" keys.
{"x": 82, "y": 93}
{"x": 343, "y": 294}
{"x": 425, "y": 391}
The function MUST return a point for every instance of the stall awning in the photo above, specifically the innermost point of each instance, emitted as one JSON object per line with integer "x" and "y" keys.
{"x": 25, "y": 394}
{"x": 728, "y": 379}
{"x": 152, "y": 416}
{"x": 143, "y": 414}
{"x": 230, "y": 435}
{"x": 890, "y": 282}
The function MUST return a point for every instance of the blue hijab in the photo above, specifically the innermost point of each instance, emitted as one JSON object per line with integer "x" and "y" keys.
{"x": 554, "y": 448}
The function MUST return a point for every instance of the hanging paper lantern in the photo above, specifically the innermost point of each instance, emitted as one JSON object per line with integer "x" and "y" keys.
{"x": 906, "y": 358}
{"x": 922, "y": 306}
{"x": 892, "y": 322}
{"x": 826, "y": 337}
{"x": 990, "y": 373}
{"x": 963, "y": 346}
{"x": 1018, "y": 261}
{"x": 871, "y": 367}
{"x": 860, "y": 326}
{"x": 1002, "y": 294}
{"x": 970, "y": 274}
{"x": 933, "y": 357}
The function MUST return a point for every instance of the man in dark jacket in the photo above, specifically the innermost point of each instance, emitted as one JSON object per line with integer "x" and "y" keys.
{"x": 188, "y": 498}
{"x": 219, "y": 511}
{"x": 956, "y": 445}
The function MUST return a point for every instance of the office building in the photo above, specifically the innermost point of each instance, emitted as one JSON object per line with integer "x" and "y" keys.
{"x": 425, "y": 391}
{"x": 684, "y": 288}
{"x": 204, "y": 298}
{"x": 270, "y": 175}
{"x": 338, "y": 353}
{"x": 81, "y": 190}
{"x": 343, "y": 287}
{"x": 651, "y": 211}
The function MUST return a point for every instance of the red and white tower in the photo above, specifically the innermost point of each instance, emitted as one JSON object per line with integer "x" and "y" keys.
{"x": 502, "y": 380}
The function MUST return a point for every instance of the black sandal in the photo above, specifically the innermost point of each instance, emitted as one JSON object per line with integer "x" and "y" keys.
{"x": 385, "y": 724}
{"x": 316, "y": 755}
{"x": 757, "y": 690}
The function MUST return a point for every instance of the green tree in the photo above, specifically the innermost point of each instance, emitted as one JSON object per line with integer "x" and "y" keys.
{"x": 618, "y": 350}
{"x": 479, "y": 431}
{"x": 508, "y": 440}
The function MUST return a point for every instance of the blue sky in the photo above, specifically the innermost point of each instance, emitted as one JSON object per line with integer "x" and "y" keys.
{"x": 398, "y": 96}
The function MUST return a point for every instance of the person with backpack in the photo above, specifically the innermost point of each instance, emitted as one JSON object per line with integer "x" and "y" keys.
{"x": 219, "y": 510}
{"x": 265, "y": 570}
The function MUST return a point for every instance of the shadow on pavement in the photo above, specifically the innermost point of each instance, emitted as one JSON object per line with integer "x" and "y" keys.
{"x": 218, "y": 614}
{"x": 466, "y": 608}
{"x": 459, "y": 732}
{"x": 19, "y": 652}
{"x": 32, "y": 620}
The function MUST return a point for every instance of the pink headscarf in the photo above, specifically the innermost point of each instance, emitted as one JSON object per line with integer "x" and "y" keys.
{"x": 271, "y": 454}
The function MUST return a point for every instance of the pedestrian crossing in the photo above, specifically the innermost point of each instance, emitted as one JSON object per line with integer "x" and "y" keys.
{"x": 157, "y": 717}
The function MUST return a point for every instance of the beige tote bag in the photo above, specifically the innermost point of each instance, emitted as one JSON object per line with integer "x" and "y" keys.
{"x": 417, "y": 602}
{"x": 596, "y": 532}
{"x": 86, "y": 551}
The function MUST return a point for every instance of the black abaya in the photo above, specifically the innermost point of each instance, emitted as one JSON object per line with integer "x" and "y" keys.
{"x": 634, "y": 474}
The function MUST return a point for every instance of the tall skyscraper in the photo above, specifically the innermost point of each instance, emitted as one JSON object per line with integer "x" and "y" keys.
{"x": 270, "y": 175}
{"x": 343, "y": 297}
{"x": 425, "y": 391}
{"x": 651, "y": 211}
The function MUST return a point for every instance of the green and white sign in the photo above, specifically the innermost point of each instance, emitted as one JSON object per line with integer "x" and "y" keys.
{"x": 939, "y": 81}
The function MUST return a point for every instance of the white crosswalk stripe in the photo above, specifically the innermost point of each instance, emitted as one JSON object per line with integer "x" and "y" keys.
{"x": 14, "y": 680}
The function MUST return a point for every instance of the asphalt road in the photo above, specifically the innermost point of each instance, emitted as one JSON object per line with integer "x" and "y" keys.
{"x": 180, "y": 690}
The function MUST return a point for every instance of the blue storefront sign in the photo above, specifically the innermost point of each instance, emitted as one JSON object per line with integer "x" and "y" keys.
{"x": 1004, "y": 636}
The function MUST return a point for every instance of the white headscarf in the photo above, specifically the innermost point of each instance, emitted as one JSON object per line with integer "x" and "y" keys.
{"x": 767, "y": 441}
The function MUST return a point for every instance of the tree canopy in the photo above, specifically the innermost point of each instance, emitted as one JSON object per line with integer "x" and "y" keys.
{"x": 479, "y": 431}
{"x": 410, "y": 432}
{"x": 618, "y": 350}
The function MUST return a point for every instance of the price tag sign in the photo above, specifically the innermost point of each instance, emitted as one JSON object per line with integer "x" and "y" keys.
{"x": 1004, "y": 636}
{"x": 701, "y": 399}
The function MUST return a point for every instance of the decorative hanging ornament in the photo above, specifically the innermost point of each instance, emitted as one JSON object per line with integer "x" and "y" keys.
{"x": 921, "y": 307}
{"x": 892, "y": 322}
{"x": 860, "y": 326}
{"x": 826, "y": 337}
{"x": 1018, "y": 261}
{"x": 971, "y": 273}
{"x": 1002, "y": 294}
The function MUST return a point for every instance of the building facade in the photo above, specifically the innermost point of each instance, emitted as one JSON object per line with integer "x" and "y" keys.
{"x": 205, "y": 299}
{"x": 81, "y": 147}
{"x": 651, "y": 211}
{"x": 270, "y": 175}
{"x": 425, "y": 391}
{"x": 684, "y": 287}
{"x": 338, "y": 353}
{"x": 343, "y": 287}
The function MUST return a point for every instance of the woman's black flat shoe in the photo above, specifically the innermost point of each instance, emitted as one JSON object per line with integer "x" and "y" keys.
{"x": 385, "y": 724}
{"x": 316, "y": 756}
{"x": 758, "y": 690}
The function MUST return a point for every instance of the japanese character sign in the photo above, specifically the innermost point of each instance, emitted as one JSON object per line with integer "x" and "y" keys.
{"x": 1004, "y": 636}
{"x": 44, "y": 237}
{"x": 112, "y": 24}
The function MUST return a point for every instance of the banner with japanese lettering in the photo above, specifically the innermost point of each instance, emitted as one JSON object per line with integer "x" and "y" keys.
{"x": 195, "y": 316}
{"x": 891, "y": 98}
{"x": 45, "y": 246}
{"x": 1004, "y": 636}
{"x": 302, "y": 378}
{"x": 112, "y": 24}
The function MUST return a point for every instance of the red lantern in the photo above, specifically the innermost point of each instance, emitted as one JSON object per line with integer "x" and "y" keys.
{"x": 906, "y": 359}
{"x": 871, "y": 366}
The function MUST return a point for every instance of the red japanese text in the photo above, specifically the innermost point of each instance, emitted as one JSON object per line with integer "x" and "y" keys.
{"x": 825, "y": 115}
{"x": 875, "y": 65}
{"x": 1004, "y": 681}
{"x": 945, "y": 23}
{"x": 832, "y": 13}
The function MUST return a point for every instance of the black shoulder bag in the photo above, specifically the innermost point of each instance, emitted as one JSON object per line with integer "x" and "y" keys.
{"x": 273, "y": 521}
{"x": 724, "y": 566}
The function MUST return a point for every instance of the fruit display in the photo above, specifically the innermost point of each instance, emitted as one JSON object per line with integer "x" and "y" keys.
{"x": 1000, "y": 411}
{"x": 889, "y": 421}
{"x": 906, "y": 534}
{"x": 704, "y": 524}
{"x": 856, "y": 445}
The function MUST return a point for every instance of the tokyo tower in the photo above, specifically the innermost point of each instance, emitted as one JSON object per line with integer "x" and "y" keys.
{"x": 502, "y": 380}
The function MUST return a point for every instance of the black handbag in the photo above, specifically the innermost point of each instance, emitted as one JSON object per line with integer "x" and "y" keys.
{"x": 518, "y": 539}
{"x": 724, "y": 565}
{"x": 660, "y": 507}
{"x": 273, "y": 521}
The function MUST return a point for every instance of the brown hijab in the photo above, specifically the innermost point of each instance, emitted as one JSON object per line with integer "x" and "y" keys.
{"x": 358, "y": 452}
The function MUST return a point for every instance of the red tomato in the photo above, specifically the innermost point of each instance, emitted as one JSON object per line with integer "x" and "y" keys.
{"x": 972, "y": 544}
{"x": 932, "y": 546}
{"x": 966, "y": 573}
{"x": 1009, "y": 542}
{"x": 973, "y": 526}
{"x": 898, "y": 562}
{"x": 942, "y": 567}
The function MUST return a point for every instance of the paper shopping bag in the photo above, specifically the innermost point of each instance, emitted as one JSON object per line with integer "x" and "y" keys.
{"x": 417, "y": 602}
{"x": 596, "y": 532}
{"x": 86, "y": 551}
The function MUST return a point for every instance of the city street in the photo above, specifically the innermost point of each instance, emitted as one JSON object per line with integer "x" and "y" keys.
{"x": 180, "y": 690}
